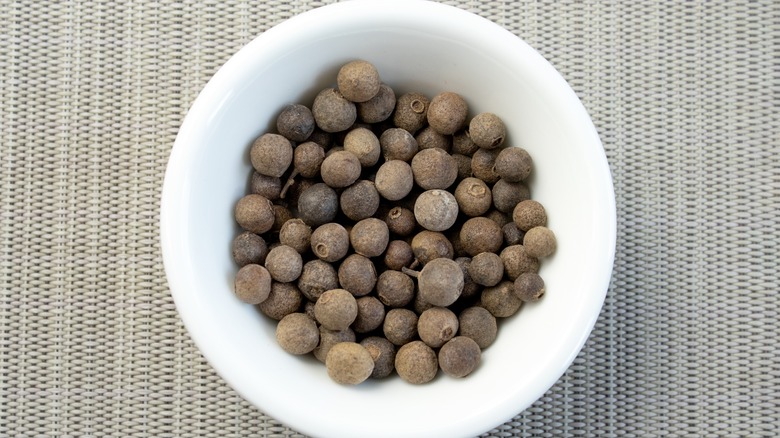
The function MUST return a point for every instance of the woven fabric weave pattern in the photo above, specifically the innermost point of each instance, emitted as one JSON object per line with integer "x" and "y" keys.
{"x": 684, "y": 95}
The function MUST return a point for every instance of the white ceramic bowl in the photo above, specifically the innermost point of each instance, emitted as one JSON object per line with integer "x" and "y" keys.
{"x": 416, "y": 46}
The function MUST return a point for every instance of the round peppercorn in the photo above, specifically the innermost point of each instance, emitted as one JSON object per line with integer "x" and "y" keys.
{"x": 370, "y": 315}
{"x": 267, "y": 186}
{"x": 282, "y": 214}
{"x": 369, "y": 237}
{"x": 430, "y": 245}
{"x": 340, "y": 169}
{"x": 447, "y": 112}
{"x": 529, "y": 287}
{"x": 307, "y": 159}
{"x": 400, "y": 221}
{"x": 459, "y": 357}
{"x": 284, "y": 264}
{"x": 486, "y": 268}
{"x": 480, "y": 234}
{"x": 364, "y": 145}
{"x": 512, "y": 234}
{"x": 318, "y": 204}
{"x": 462, "y": 144}
{"x": 317, "y": 276}
{"x": 394, "y": 180}
{"x": 349, "y": 363}
{"x": 271, "y": 155}
{"x": 296, "y": 234}
{"x": 395, "y": 289}
{"x": 330, "y": 242}
{"x": 378, "y": 108}
{"x": 501, "y": 300}
{"x": 400, "y": 326}
{"x": 506, "y": 195}
{"x": 473, "y": 196}
{"x": 513, "y": 164}
{"x": 416, "y": 363}
{"x": 360, "y": 200}
{"x": 498, "y": 217}
{"x": 539, "y": 242}
{"x": 428, "y": 138}
{"x": 255, "y": 213}
{"x": 436, "y": 326}
{"x": 322, "y": 138}
{"x": 517, "y": 261}
{"x": 296, "y": 333}
{"x": 470, "y": 288}
{"x": 357, "y": 275}
{"x": 336, "y": 309}
{"x": 398, "y": 254}
{"x": 478, "y": 324}
{"x": 487, "y": 130}
{"x": 332, "y": 112}
{"x": 308, "y": 309}
{"x": 398, "y": 144}
{"x": 295, "y": 122}
{"x": 434, "y": 169}
{"x": 483, "y": 165}
{"x": 440, "y": 282}
{"x": 296, "y": 188}
{"x": 383, "y": 353}
{"x": 411, "y": 110}
{"x": 358, "y": 81}
{"x": 436, "y": 210}
{"x": 253, "y": 284}
{"x": 329, "y": 338}
{"x": 284, "y": 299}
{"x": 464, "y": 166}
{"x": 528, "y": 214}
{"x": 249, "y": 248}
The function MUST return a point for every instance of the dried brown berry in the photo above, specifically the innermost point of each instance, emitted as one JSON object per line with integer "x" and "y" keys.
{"x": 322, "y": 138}
{"x": 255, "y": 213}
{"x": 318, "y": 204}
{"x": 400, "y": 326}
{"x": 430, "y": 245}
{"x": 416, "y": 363}
{"x": 470, "y": 288}
{"x": 498, "y": 217}
{"x": 394, "y": 180}
{"x": 308, "y": 158}
{"x": 357, "y": 275}
{"x": 282, "y": 214}
{"x": 440, "y": 282}
{"x": 349, "y": 363}
{"x": 447, "y": 112}
{"x": 428, "y": 138}
{"x": 284, "y": 264}
{"x": 249, "y": 248}
{"x": 369, "y": 237}
{"x": 478, "y": 324}
{"x": 358, "y": 81}
{"x": 284, "y": 299}
{"x": 436, "y": 210}
{"x": 480, "y": 234}
{"x": 501, "y": 300}
{"x": 517, "y": 261}
{"x": 400, "y": 221}
{"x": 360, "y": 200}
{"x": 271, "y": 155}
{"x": 296, "y": 333}
{"x": 267, "y": 186}
{"x": 336, "y": 309}
{"x": 398, "y": 254}
{"x": 371, "y": 314}
{"x": 340, "y": 169}
{"x": 506, "y": 195}
{"x": 395, "y": 289}
{"x": 462, "y": 144}
{"x": 253, "y": 284}
{"x": 459, "y": 357}
{"x": 483, "y": 165}
{"x": 539, "y": 242}
{"x": 378, "y": 108}
{"x": 434, "y": 169}
{"x": 333, "y": 112}
{"x": 487, "y": 130}
{"x": 464, "y": 166}
{"x": 329, "y": 338}
{"x": 473, "y": 196}
{"x": 411, "y": 111}
{"x": 317, "y": 276}
{"x": 398, "y": 144}
{"x": 330, "y": 242}
{"x": 364, "y": 145}
{"x": 512, "y": 234}
{"x": 295, "y": 122}
{"x": 436, "y": 326}
{"x": 528, "y": 214}
{"x": 296, "y": 234}
{"x": 529, "y": 287}
{"x": 486, "y": 268}
{"x": 383, "y": 353}
{"x": 513, "y": 164}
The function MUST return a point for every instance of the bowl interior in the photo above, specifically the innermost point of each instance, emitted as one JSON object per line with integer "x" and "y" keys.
{"x": 416, "y": 46}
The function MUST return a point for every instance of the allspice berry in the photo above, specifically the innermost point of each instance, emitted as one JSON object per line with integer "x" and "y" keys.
{"x": 428, "y": 138}
{"x": 284, "y": 299}
{"x": 336, "y": 309}
{"x": 267, "y": 186}
{"x": 395, "y": 289}
{"x": 436, "y": 210}
{"x": 349, "y": 363}
{"x": 529, "y": 287}
{"x": 480, "y": 234}
{"x": 248, "y": 248}
{"x": 296, "y": 234}
{"x": 517, "y": 261}
{"x": 394, "y": 180}
{"x": 318, "y": 204}
{"x": 473, "y": 196}
{"x": 398, "y": 254}
{"x": 506, "y": 195}
{"x": 478, "y": 324}
{"x": 253, "y": 284}
{"x": 513, "y": 164}
{"x": 447, "y": 112}
{"x": 370, "y": 315}
{"x": 340, "y": 169}
{"x": 255, "y": 213}
{"x": 429, "y": 245}
{"x": 329, "y": 338}
{"x": 498, "y": 217}
{"x": 369, "y": 237}
{"x": 464, "y": 166}
{"x": 539, "y": 242}
{"x": 332, "y": 112}
{"x": 322, "y": 138}
{"x": 296, "y": 333}
{"x": 434, "y": 169}
{"x": 357, "y": 275}
{"x": 486, "y": 268}
{"x": 284, "y": 264}
{"x": 383, "y": 353}
{"x": 360, "y": 200}
{"x": 400, "y": 221}
{"x": 512, "y": 234}
{"x": 411, "y": 111}
{"x": 282, "y": 214}
{"x": 400, "y": 326}
{"x": 330, "y": 242}
{"x": 378, "y": 108}
{"x": 487, "y": 130}
{"x": 398, "y": 144}
{"x": 295, "y": 122}
{"x": 358, "y": 81}
{"x": 308, "y": 158}
{"x": 364, "y": 145}
{"x": 440, "y": 282}
{"x": 436, "y": 326}
{"x": 317, "y": 276}
{"x": 462, "y": 144}
{"x": 500, "y": 300}
{"x": 459, "y": 357}
{"x": 416, "y": 363}
{"x": 483, "y": 165}
{"x": 470, "y": 288}
{"x": 271, "y": 154}
{"x": 528, "y": 214}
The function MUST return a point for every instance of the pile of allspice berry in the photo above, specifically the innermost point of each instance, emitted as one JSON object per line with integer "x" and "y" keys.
{"x": 388, "y": 233}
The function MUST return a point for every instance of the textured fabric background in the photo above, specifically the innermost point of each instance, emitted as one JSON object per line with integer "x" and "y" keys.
{"x": 684, "y": 94}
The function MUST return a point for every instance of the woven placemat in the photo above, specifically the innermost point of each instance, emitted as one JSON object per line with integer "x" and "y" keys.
{"x": 685, "y": 96}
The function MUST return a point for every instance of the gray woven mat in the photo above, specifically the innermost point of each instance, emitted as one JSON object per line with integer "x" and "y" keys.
{"x": 685, "y": 96}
